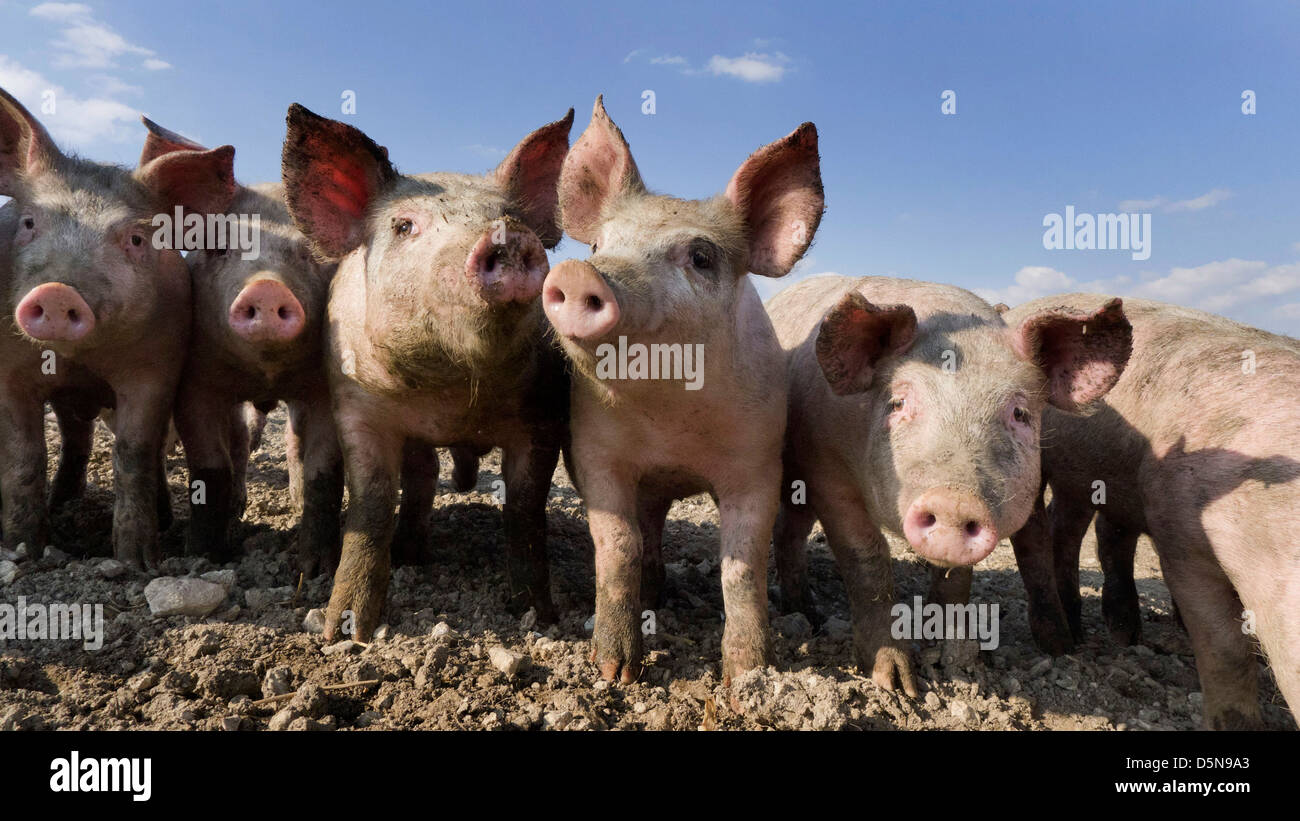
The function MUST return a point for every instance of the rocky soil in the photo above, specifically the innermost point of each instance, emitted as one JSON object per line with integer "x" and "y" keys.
{"x": 453, "y": 658}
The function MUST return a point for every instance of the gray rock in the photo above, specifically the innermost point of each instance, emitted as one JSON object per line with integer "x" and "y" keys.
{"x": 110, "y": 568}
{"x": 225, "y": 578}
{"x": 231, "y": 723}
{"x": 259, "y": 598}
{"x": 314, "y": 621}
{"x": 441, "y": 630}
{"x": 793, "y": 626}
{"x": 341, "y": 648}
{"x": 837, "y": 628}
{"x": 277, "y": 682}
{"x": 508, "y": 661}
{"x": 8, "y": 572}
{"x": 282, "y": 719}
{"x": 169, "y": 596}
{"x": 963, "y": 712}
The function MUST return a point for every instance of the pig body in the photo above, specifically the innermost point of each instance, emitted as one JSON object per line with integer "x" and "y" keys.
{"x": 259, "y": 328}
{"x": 92, "y": 315}
{"x": 434, "y": 338}
{"x": 915, "y": 409}
{"x": 672, "y": 272}
{"x": 1198, "y": 446}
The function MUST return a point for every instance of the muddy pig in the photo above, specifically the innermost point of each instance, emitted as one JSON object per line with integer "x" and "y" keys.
{"x": 435, "y": 338}
{"x": 1198, "y": 446}
{"x": 915, "y": 409}
{"x": 94, "y": 315}
{"x": 259, "y": 313}
{"x": 666, "y": 281}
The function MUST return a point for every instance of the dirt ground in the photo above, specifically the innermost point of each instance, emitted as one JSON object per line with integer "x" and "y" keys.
{"x": 251, "y": 665}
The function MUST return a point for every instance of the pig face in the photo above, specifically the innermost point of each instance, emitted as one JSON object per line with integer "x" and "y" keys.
{"x": 269, "y": 308}
{"x": 452, "y": 262}
{"x": 664, "y": 269}
{"x": 954, "y": 408}
{"x": 83, "y": 267}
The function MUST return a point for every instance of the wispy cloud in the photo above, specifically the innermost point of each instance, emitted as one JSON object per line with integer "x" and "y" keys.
{"x": 751, "y": 67}
{"x": 1206, "y": 200}
{"x": 487, "y": 152}
{"x": 75, "y": 120}
{"x": 84, "y": 42}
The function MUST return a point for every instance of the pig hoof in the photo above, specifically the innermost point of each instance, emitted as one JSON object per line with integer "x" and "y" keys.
{"x": 616, "y": 664}
{"x": 892, "y": 663}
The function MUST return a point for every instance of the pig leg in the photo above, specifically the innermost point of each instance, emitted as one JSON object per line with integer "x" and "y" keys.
{"x": 651, "y": 513}
{"x": 211, "y": 481}
{"x": 142, "y": 417}
{"x": 464, "y": 474}
{"x": 527, "y": 470}
{"x": 293, "y": 451}
{"x": 1034, "y": 557}
{"x": 950, "y": 585}
{"x": 373, "y": 461}
{"x": 862, "y": 555}
{"x": 419, "y": 484}
{"x": 790, "y": 544}
{"x": 1116, "y": 547}
{"x": 321, "y": 477}
{"x": 746, "y": 519}
{"x": 240, "y": 447}
{"x": 1225, "y": 658}
{"x": 77, "y": 435}
{"x": 1070, "y": 522}
{"x": 611, "y": 511}
{"x": 22, "y": 473}
{"x": 165, "y": 515}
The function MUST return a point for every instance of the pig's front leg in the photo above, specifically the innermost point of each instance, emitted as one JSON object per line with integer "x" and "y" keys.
{"x": 419, "y": 485}
{"x": 611, "y": 511}
{"x": 22, "y": 472}
{"x": 321, "y": 488}
{"x": 1034, "y": 556}
{"x": 1116, "y": 547}
{"x": 1070, "y": 521}
{"x": 77, "y": 435}
{"x": 373, "y": 461}
{"x": 293, "y": 452}
{"x": 790, "y": 545}
{"x": 240, "y": 449}
{"x": 464, "y": 473}
{"x": 862, "y": 555}
{"x": 528, "y": 469}
{"x": 746, "y": 518}
{"x": 652, "y": 512}
{"x": 203, "y": 421}
{"x": 143, "y": 411}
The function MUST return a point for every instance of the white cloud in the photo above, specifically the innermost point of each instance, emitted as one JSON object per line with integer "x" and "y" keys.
{"x": 752, "y": 68}
{"x": 669, "y": 60}
{"x": 76, "y": 121}
{"x": 84, "y": 42}
{"x": 1206, "y": 200}
{"x": 488, "y": 152}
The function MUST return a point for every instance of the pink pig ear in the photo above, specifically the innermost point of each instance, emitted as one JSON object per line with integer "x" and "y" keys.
{"x": 779, "y": 191}
{"x": 332, "y": 174}
{"x": 201, "y": 182}
{"x": 25, "y": 146}
{"x": 161, "y": 141}
{"x": 855, "y": 335}
{"x": 598, "y": 169}
{"x": 531, "y": 175}
{"x": 1082, "y": 354}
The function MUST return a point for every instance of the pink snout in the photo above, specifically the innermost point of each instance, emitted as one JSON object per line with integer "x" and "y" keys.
{"x": 578, "y": 301}
{"x": 507, "y": 268}
{"x": 266, "y": 311}
{"x": 54, "y": 312}
{"x": 950, "y": 528}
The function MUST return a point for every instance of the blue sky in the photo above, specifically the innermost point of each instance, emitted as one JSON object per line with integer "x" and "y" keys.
{"x": 1104, "y": 106}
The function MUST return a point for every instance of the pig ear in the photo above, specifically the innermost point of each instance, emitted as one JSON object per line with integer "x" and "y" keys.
{"x": 598, "y": 169}
{"x": 25, "y": 146}
{"x": 1082, "y": 354}
{"x": 855, "y": 335}
{"x": 201, "y": 182}
{"x": 161, "y": 141}
{"x": 531, "y": 175}
{"x": 332, "y": 174}
{"x": 779, "y": 192}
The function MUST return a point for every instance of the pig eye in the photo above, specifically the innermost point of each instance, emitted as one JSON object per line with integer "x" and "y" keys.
{"x": 29, "y": 223}
{"x": 137, "y": 240}
{"x": 404, "y": 227}
{"x": 896, "y": 404}
{"x": 1020, "y": 415}
{"x": 700, "y": 260}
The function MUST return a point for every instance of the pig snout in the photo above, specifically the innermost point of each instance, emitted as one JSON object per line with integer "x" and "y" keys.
{"x": 266, "y": 311}
{"x": 579, "y": 302}
{"x": 950, "y": 528}
{"x": 54, "y": 312}
{"x": 509, "y": 271}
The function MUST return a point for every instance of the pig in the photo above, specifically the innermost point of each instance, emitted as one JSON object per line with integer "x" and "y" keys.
{"x": 93, "y": 315}
{"x": 435, "y": 337}
{"x": 672, "y": 272}
{"x": 915, "y": 409}
{"x": 1197, "y": 446}
{"x": 257, "y": 339}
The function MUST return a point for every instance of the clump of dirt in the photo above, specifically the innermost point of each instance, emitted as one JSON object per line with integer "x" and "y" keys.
{"x": 453, "y": 658}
